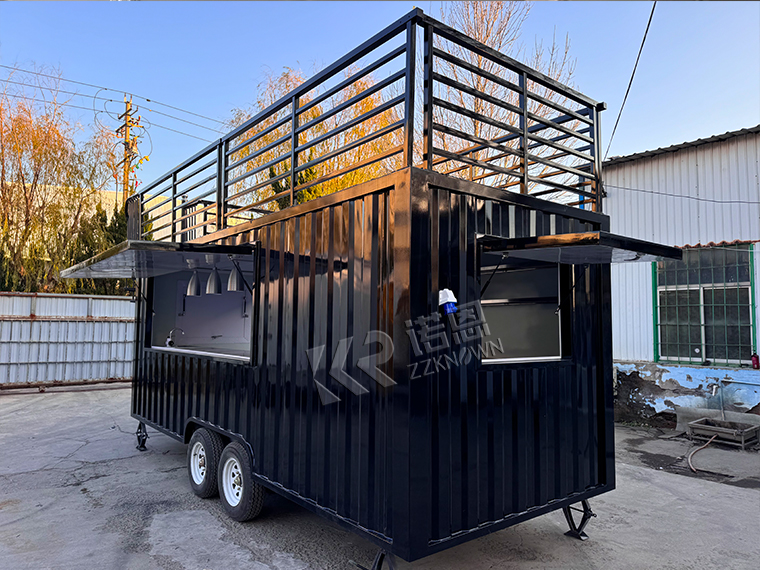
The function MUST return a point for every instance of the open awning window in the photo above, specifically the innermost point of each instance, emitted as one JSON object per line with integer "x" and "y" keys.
{"x": 140, "y": 259}
{"x": 576, "y": 249}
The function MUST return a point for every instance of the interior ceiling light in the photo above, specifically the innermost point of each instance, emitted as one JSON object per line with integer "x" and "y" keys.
{"x": 194, "y": 286}
{"x": 234, "y": 282}
{"x": 214, "y": 283}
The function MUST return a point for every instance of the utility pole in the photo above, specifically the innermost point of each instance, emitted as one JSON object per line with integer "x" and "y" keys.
{"x": 130, "y": 145}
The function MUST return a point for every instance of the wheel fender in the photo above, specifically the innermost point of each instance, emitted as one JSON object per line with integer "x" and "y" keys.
{"x": 193, "y": 423}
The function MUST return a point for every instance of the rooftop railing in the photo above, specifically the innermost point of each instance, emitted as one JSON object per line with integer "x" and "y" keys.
{"x": 419, "y": 93}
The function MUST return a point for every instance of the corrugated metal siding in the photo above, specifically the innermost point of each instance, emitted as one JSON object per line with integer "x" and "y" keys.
{"x": 727, "y": 171}
{"x": 429, "y": 461}
{"x": 504, "y": 439}
{"x": 326, "y": 277}
{"x": 65, "y": 338}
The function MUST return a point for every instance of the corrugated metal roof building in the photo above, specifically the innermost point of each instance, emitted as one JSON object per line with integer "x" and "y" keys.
{"x": 699, "y": 194}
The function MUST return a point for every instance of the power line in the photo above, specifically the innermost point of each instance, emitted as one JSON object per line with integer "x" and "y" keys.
{"x": 682, "y": 196}
{"x": 184, "y": 121}
{"x": 49, "y": 102}
{"x": 114, "y": 90}
{"x": 633, "y": 73}
{"x": 109, "y": 100}
{"x": 152, "y": 124}
{"x": 90, "y": 109}
{"x": 38, "y": 87}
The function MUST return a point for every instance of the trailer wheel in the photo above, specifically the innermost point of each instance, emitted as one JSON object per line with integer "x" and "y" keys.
{"x": 242, "y": 498}
{"x": 203, "y": 454}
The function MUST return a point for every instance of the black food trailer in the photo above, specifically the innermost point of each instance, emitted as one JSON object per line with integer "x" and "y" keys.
{"x": 407, "y": 331}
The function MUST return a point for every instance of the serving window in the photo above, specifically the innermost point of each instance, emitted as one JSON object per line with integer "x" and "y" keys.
{"x": 199, "y": 296}
{"x": 214, "y": 324}
{"x": 522, "y": 306}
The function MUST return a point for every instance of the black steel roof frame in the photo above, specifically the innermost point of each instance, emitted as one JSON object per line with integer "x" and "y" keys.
{"x": 164, "y": 199}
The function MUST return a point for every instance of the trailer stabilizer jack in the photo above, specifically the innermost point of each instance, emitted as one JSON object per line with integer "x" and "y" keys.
{"x": 377, "y": 564}
{"x": 576, "y": 529}
{"x": 142, "y": 436}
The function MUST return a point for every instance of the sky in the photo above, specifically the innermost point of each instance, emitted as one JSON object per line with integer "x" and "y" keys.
{"x": 699, "y": 73}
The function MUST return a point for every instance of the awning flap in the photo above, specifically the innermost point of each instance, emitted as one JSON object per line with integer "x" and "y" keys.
{"x": 575, "y": 249}
{"x": 140, "y": 259}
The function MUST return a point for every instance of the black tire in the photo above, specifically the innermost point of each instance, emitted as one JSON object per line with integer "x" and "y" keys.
{"x": 211, "y": 448}
{"x": 242, "y": 488}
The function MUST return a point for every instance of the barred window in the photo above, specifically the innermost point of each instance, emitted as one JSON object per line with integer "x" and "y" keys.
{"x": 705, "y": 306}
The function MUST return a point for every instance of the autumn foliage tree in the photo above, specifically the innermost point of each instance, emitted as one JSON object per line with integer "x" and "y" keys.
{"x": 51, "y": 178}
{"x": 322, "y": 153}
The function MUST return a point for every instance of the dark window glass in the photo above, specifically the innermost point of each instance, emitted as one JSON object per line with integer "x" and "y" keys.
{"x": 520, "y": 309}
{"x": 704, "y": 306}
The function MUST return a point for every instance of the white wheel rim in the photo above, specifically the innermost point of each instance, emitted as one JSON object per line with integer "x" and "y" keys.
{"x": 232, "y": 481}
{"x": 198, "y": 463}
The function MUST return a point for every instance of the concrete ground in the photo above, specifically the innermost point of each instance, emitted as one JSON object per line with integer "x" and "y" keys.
{"x": 75, "y": 493}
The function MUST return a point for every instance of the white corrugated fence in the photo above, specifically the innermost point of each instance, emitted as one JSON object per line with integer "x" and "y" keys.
{"x": 51, "y": 338}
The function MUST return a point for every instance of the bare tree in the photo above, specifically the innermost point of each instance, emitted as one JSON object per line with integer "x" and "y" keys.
{"x": 498, "y": 25}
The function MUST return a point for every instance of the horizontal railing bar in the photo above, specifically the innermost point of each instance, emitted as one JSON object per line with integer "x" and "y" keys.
{"x": 180, "y": 205}
{"x": 561, "y": 147}
{"x": 578, "y": 115}
{"x": 152, "y": 208}
{"x": 258, "y": 153}
{"x": 508, "y": 84}
{"x": 475, "y": 93}
{"x": 561, "y": 187}
{"x": 494, "y": 157}
{"x": 474, "y": 162}
{"x": 257, "y": 136}
{"x": 534, "y": 129}
{"x": 506, "y": 138}
{"x": 352, "y": 123}
{"x": 557, "y": 165}
{"x": 351, "y": 146}
{"x": 194, "y": 172}
{"x": 267, "y": 200}
{"x": 562, "y": 128}
{"x": 356, "y": 166}
{"x": 548, "y": 175}
{"x": 571, "y": 190}
{"x": 197, "y": 156}
{"x": 195, "y": 212}
{"x": 591, "y": 201}
{"x": 185, "y": 191}
{"x": 208, "y": 178}
{"x": 353, "y": 79}
{"x": 353, "y": 101}
{"x": 158, "y": 229}
{"x": 481, "y": 49}
{"x": 258, "y": 169}
{"x": 509, "y": 107}
{"x": 476, "y": 116}
{"x": 472, "y": 138}
{"x": 158, "y": 217}
{"x": 353, "y": 56}
{"x": 204, "y": 223}
{"x": 257, "y": 186}
{"x": 454, "y": 60}
{"x": 197, "y": 200}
